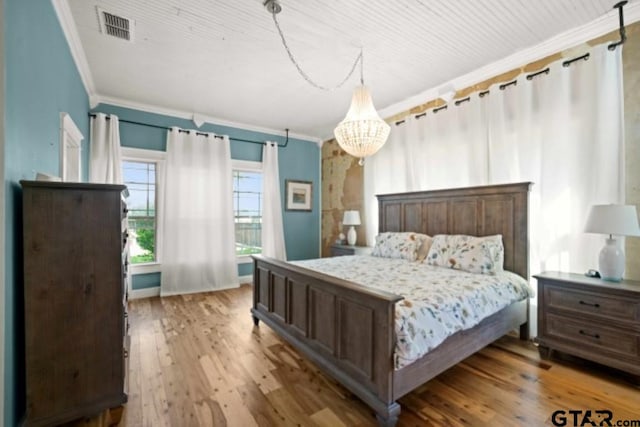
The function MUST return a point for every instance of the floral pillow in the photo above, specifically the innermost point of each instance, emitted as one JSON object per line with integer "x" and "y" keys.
{"x": 397, "y": 245}
{"x": 423, "y": 249}
{"x": 484, "y": 255}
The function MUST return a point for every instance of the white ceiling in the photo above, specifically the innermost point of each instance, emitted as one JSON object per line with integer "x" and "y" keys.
{"x": 223, "y": 58}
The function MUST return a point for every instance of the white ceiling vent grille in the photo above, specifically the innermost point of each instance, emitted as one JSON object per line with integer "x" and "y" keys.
{"x": 116, "y": 26}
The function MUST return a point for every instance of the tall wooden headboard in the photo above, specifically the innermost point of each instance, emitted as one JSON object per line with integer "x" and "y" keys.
{"x": 476, "y": 211}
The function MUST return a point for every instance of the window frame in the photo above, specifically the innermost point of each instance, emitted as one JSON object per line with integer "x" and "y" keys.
{"x": 70, "y": 150}
{"x": 148, "y": 156}
{"x": 246, "y": 166}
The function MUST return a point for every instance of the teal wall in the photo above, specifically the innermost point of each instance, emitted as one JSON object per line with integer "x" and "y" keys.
{"x": 300, "y": 160}
{"x": 145, "y": 281}
{"x": 41, "y": 81}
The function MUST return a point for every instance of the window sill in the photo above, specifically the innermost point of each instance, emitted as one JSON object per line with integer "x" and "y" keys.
{"x": 244, "y": 259}
{"x": 148, "y": 267}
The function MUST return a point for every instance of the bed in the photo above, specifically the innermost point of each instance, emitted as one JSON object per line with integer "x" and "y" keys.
{"x": 348, "y": 330}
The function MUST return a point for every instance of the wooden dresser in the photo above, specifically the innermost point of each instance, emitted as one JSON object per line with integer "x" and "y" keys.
{"x": 75, "y": 298}
{"x": 590, "y": 318}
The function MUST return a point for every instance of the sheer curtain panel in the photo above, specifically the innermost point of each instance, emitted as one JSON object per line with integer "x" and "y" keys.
{"x": 563, "y": 131}
{"x": 105, "y": 160}
{"x": 196, "y": 243}
{"x": 272, "y": 229}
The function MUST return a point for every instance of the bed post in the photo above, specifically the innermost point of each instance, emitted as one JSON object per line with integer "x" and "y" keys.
{"x": 390, "y": 418}
{"x": 524, "y": 328}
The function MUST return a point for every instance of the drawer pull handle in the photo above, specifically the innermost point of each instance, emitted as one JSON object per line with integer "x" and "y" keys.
{"x": 596, "y": 336}
{"x": 126, "y": 353}
{"x": 596, "y": 305}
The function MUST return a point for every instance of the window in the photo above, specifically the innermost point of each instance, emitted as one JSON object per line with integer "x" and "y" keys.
{"x": 140, "y": 179}
{"x": 247, "y": 207}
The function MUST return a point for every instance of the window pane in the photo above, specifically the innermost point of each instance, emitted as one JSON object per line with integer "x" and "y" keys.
{"x": 140, "y": 179}
{"x": 247, "y": 205}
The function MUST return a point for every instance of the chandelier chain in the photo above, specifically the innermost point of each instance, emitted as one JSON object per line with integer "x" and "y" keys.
{"x": 305, "y": 76}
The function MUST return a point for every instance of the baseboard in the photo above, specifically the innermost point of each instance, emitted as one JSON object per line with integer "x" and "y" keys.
{"x": 246, "y": 279}
{"x": 145, "y": 293}
{"x": 199, "y": 291}
{"x": 155, "y": 290}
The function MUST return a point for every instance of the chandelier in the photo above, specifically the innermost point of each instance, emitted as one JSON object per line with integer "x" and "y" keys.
{"x": 362, "y": 132}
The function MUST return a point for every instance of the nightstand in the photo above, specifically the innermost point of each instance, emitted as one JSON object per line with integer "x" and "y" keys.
{"x": 590, "y": 318}
{"x": 339, "y": 250}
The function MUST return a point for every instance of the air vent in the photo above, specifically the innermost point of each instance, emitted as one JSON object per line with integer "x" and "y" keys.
{"x": 116, "y": 26}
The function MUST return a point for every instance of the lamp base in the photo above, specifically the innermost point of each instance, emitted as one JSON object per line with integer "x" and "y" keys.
{"x": 351, "y": 236}
{"x": 611, "y": 261}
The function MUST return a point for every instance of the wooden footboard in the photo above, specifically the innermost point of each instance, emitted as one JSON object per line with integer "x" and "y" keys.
{"x": 346, "y": 329}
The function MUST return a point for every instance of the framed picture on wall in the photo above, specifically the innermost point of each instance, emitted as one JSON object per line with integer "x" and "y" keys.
{"x": 299, "y": 195}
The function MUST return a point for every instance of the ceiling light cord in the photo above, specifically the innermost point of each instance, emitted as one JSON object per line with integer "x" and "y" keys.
{"x": 301, "y": 71}
{"x": 361, "y": 68}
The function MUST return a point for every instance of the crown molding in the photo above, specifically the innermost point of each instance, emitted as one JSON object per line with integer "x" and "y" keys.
{"x": 603, "y": 25}
{"x": 125, "y": 103}
{"x": 68, "y": 25}
{"x": 75, "y": 46}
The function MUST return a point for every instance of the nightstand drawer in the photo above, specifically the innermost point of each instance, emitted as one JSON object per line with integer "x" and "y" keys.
{"x": 340, "y": 251}
{"x": 587, "y": 334}
{"x": 607, "y": 306}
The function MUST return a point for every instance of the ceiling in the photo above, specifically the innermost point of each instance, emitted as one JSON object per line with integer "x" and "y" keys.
{"x": 223, "y": 59}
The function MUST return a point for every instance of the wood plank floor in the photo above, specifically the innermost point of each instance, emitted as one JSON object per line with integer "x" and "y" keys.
{"x": 198, "y": 360}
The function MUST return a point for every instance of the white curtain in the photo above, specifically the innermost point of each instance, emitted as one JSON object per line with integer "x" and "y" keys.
{"x": 196, "y": 242}
{"x": 105, "y": 161}
{"x": 562, "y": 130}
{"x": 272, "y": 229}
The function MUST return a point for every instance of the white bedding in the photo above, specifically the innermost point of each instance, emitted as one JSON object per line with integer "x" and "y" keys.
{"x": 438, "y": 301}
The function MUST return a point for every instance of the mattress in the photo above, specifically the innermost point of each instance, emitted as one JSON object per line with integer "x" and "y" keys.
{"x": 438, "y": 302}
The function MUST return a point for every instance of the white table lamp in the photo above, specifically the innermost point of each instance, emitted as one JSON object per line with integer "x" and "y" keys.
{"x": 351, "y": 218}
{"x": 619, "y": 220}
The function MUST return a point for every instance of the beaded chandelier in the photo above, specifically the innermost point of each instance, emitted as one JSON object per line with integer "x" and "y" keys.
{"x": 362, "y": 132}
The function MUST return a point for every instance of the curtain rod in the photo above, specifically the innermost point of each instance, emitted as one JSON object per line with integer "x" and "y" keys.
{"x": 503, "y": 86}
{"x": 623, "y": 33}
{"x": 198, "y": 133}
{"x": 530, "y": 76}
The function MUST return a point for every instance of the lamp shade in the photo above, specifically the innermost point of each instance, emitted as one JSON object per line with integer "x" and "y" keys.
{"x": 351, "y": 218}
{"x": 620, "y": 220}
{"x": 362, "y": 132}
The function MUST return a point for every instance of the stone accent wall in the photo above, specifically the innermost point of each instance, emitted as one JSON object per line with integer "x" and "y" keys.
{"x": 342, "y": 189}
{"x": 631, "y": 70}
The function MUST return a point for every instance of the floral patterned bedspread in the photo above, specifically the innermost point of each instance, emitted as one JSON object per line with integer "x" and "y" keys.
{"x": 438, "y": 301}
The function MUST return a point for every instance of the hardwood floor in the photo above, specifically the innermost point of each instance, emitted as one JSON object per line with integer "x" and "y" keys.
{"x": 197, "y": 360}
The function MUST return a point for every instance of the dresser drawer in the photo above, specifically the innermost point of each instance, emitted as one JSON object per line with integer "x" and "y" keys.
{"x": 586, "y": 334}
{"x": 605, "y": 306}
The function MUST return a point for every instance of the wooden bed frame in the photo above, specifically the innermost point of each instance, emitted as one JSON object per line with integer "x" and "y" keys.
{"x": 348, "y": 330}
